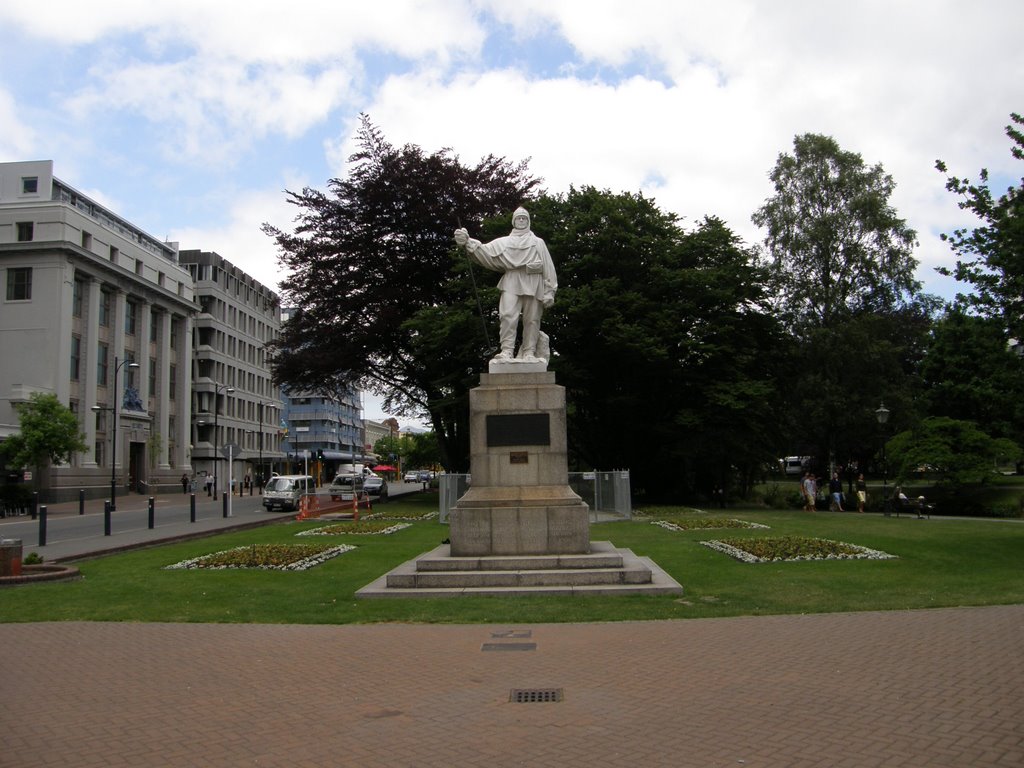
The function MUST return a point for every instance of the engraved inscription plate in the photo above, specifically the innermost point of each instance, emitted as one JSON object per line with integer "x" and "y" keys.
{"x": 519, "y": 457}
{"x": 518, "y": 429}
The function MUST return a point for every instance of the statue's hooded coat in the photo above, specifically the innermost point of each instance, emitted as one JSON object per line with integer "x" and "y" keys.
{"x": 525, "y": 260}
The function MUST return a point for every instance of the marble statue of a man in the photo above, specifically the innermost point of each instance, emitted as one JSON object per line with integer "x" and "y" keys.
{"x": 527, "y": 287}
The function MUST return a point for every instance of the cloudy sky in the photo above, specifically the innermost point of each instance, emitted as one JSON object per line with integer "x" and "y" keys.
{"x": 191, "y": 117}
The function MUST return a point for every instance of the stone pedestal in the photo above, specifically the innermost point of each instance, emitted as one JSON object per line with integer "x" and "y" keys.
{"x": 519, "y": 502}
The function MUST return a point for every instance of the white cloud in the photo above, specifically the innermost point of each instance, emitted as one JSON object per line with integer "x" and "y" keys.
{"x": 732, "y": 87}
{"x": 239, "y": 239}
{"x": 688, "y": 102}
{"x": 261, "y": 30}
{"x": 17, "y": 138}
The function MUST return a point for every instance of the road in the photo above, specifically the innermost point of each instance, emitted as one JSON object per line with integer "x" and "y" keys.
{"x": 70, "y": 535}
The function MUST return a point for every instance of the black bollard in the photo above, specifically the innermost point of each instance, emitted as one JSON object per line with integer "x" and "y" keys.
{"x": 224, "y": 503}
{"x": 81, "y": 501}
{"x": 191, "y": 507}
{"x": 42, "y": 526}
{"x": 106, "y": 517}
{"x": 152, "y": 514}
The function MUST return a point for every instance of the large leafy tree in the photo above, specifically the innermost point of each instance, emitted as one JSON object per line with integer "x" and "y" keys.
{"x": 958, "y": 450}
{"x": 48, "y": 434}
{"x": 837, "y": 245}
{"x": 843, "y": 278}
{"x": 660, "y": 338}
{"x": 380, "y": 300}
{"x": 991, "y": 256}
{"x": 969, "y": 373}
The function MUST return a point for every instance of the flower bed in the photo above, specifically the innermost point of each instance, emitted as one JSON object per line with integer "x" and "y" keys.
{"x": 793, "y": 549}
{"x": 273, "y": 557}
{"x": 363, "y": 527}
{"x": 703, "y": 523}
{"x": 407, "y": 515}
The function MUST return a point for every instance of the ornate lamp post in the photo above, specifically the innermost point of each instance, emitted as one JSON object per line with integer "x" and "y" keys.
{"x": 882, "y": 414}
{"x": 113, "y": 435}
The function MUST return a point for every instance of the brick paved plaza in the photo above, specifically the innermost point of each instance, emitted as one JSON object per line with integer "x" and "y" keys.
{"x": 921, "y": 688}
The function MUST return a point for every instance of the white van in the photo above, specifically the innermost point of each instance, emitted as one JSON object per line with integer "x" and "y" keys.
{"x": 285, "y": 491}
{"x": 794, "y": 465}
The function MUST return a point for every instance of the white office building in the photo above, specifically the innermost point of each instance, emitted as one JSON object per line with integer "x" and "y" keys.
{"x": 99, "y": 313}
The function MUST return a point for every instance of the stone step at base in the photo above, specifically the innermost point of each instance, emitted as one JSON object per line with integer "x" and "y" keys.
{"x": 635, "y": 575}
{"x": 575, "y": 577}
{"x": 593, "y": 560}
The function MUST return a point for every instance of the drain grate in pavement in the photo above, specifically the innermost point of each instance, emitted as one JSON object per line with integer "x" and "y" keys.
{"x": 513, "y": 633}
{"x": 534, "y": 695}
{"x": 509, "y": 647}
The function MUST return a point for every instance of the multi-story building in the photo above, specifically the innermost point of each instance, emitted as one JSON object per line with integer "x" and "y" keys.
{"x": 98, "y": 313}
{"x": 234, "y": 402}
{"x": 323, "y": 431}
{"x": 378, "y": 430}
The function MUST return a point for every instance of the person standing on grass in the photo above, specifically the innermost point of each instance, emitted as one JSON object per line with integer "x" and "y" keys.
{"x": 835, "y": 490}
{"x": 862, "y": 492}
{"x": 810, "y": 489}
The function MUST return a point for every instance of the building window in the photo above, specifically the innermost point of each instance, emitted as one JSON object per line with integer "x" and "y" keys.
{"x": 101, "y": 365}
{"x": 19, "y": 283}
{"x": 77, "y": 294}
{"x": 154, "y": 326}
{"x": 152, "y": 377}
{"x": 25, "y": 231}
{"x": 114, "y": 254}
{"x": 105, "y": 309}
{"x": 76, "y": 356}
{"x": 29, "y": 185}
{"x": 86, "y": 240}
{"x": 129, "y": 317}
{"x": 172, "y": 379}
{"x": 174, "y": 333}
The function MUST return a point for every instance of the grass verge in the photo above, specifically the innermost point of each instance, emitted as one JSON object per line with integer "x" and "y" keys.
{"x": 939, "y": 562}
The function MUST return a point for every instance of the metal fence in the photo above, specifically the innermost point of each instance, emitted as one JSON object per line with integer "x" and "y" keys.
{"x": 607, "y": 493}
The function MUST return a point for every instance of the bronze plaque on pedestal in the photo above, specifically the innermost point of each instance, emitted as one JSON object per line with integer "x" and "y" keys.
{"x": 518, "y": 429}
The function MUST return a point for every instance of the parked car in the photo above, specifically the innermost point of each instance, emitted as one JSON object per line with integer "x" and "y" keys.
{"x": 343, "y": 486}
{"x": 285, "y": 491}
{"x": 375, "y": 485}
{"x": 411, "y": 477}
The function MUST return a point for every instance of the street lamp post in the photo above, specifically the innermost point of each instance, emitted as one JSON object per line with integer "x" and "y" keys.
{"x": 217, "y": 388}
{"x": 259, "y": 473}
{"x": 113, "y": 434}
{"x": 882, "y": 414}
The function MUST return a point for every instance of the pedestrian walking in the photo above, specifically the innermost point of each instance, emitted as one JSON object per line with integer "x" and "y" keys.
{"x": 810, "y": 491}
{"x": 862, "y": 492}
{"x": 835, "y": 490}
{"x": 184, "y": 482}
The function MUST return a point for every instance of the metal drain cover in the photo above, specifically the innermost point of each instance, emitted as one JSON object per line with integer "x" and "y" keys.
{"x": 509, "y": 647}
{"x": 534, "y": 695}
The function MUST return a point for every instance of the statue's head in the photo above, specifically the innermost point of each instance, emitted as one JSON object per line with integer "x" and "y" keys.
{"x": 520, "y": 219}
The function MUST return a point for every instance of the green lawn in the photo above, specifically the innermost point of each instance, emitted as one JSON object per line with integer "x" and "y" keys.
{"x": 941, "y": 562}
